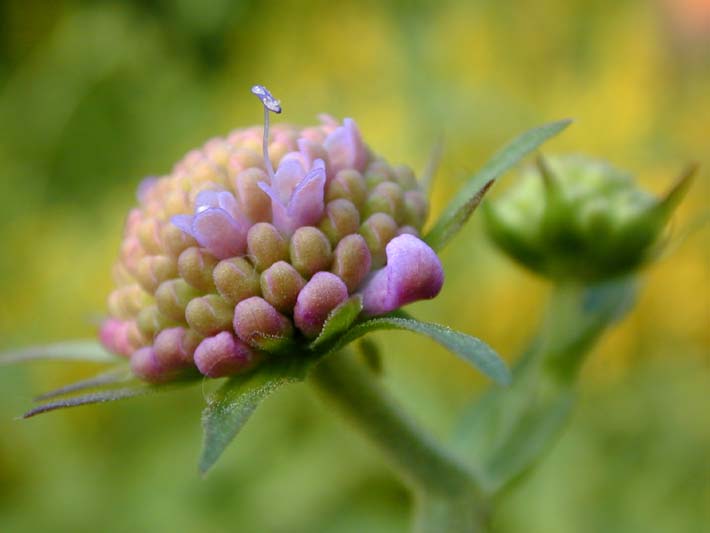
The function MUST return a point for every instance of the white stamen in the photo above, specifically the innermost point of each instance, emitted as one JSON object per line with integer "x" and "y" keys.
{"x": 273, "y": 105}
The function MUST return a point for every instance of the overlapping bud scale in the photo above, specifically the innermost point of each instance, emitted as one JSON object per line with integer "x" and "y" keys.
{"x": 222, "y": 265}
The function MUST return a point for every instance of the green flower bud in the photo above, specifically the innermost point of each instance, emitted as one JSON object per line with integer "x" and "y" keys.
{"x": 341, "y": 218}
{"x": 280, "y": 285}
{"x": 352, "y": 261}
{"x": 387, "y": 197}
{"x": 210, "y": 314}
{"x": 378, "y": 230}
{"x": 265, "y": 245}
{"x": 150, "y": 321}
{"x": 310, "y": 251}
{"x": 173, "y": 296}
{"x": 195, "y": 266}
{"x": 236, "y": 279}
{"x": 349, "y": 185}
{"x": 152, "y": 270}
{"x": 577, "y": 218}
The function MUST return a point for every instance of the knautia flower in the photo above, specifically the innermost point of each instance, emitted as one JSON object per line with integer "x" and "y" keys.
{"x": 232, "y": 258}
{"x": 572, "y": 217}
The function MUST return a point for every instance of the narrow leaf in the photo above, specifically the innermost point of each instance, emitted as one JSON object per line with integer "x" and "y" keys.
{"x": 233, "y": 403}
{"x": 464, "y": 203}
{"x": 110, "y": 377}
{"x": 339, "y": 320}
{"x": 471, "y": 349}
{"x": 80, "y": 350}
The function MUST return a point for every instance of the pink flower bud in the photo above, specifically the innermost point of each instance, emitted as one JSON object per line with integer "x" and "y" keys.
{"x": 317, "y": 299}
{"x": 413, "y": 272}
{"x": 260, "y": 325}
{"x": 174, "y": 347}
{"x": 224, "y": 355}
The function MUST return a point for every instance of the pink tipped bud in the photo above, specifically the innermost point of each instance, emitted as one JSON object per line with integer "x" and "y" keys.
{"x": 413, "y": 272}
{"x": 208, "y": 315}
{"x": 236, "y": 279}
{"x": 352, "y": 261}
{"x": 260, "y": 325}
{"x": 172, "y": 298}
{"x": 195, "y": 266}
{"x": 174, "y": 347}
{"x": 319, "y": 297}
{"x": 348, "y": 185}
{"x": 378, "y": 230}
{"x": 146, "y": 366}
{"x": 341, "y": 218}
{"x": 310, "y": 251}
{"x": 225, "y": 355}
{"x": 280, "y": 285}
{"x": 265, "y": 245}
{"x": 114, "y": 336}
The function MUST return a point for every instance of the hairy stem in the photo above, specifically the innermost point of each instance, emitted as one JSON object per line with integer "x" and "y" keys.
{"x": 448, "y": 496}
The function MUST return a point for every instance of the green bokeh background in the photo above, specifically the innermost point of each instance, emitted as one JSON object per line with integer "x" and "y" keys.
{"x": 96, "y": 95}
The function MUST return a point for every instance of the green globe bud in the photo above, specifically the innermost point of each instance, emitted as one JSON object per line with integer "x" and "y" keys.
{"x": 576, "y": 218}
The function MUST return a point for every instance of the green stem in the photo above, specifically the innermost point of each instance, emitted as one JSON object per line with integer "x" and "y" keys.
{"x": 447, "y": 491}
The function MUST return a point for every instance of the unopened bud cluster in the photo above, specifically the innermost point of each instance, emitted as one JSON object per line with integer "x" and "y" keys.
{"x": 223, "y": 264}
{"x": 572, "y": 217}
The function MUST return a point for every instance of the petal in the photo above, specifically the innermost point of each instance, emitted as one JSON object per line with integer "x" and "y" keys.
{"x": 289, "y": 174}
{"x": 215, "y": 230}
{"x": 305, "y": 208}
{"x": 345, "y": 148}
{"x": 279, "y": 212}
{"x": 184, "y": 222}
{"x": 413, "y": 272}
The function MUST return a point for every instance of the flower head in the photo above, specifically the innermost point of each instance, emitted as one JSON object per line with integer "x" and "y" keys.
{"x": 225, "y": 260}
{"x": 577, "y": 218}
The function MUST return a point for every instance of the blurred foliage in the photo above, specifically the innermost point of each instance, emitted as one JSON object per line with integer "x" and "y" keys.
{"x": 96, "y": 95}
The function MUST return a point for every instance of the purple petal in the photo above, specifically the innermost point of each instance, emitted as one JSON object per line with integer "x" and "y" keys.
{"x": 305, "y": 208}
{"x": 183, "y": 222}
{"x": 216, "y": 230}
{"x": 289, "y": 174}
{"x": 279, "y": 212}
{"x": 144, "y": 187}
{"x": 413, "y": 272}
{"x": 345, "y": 148}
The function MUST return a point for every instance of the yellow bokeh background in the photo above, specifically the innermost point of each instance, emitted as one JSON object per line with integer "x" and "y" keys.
{"x": 94, "y": 96}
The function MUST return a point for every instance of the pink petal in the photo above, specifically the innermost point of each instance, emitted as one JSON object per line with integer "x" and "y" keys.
{"x": 413, "y": 272}
{"x": 215, "y": 230}
{"x": 345, "y": 148}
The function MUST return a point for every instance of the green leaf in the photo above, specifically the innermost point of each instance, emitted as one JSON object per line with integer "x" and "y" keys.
{"x": 110, "y": 377}
{"x": 470, "y": 349}
{"x": 464, "y": 203}
{"x": 339, "y": 320}
{"x": 79, "y": 350}
{"x": 233, "y": 403}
